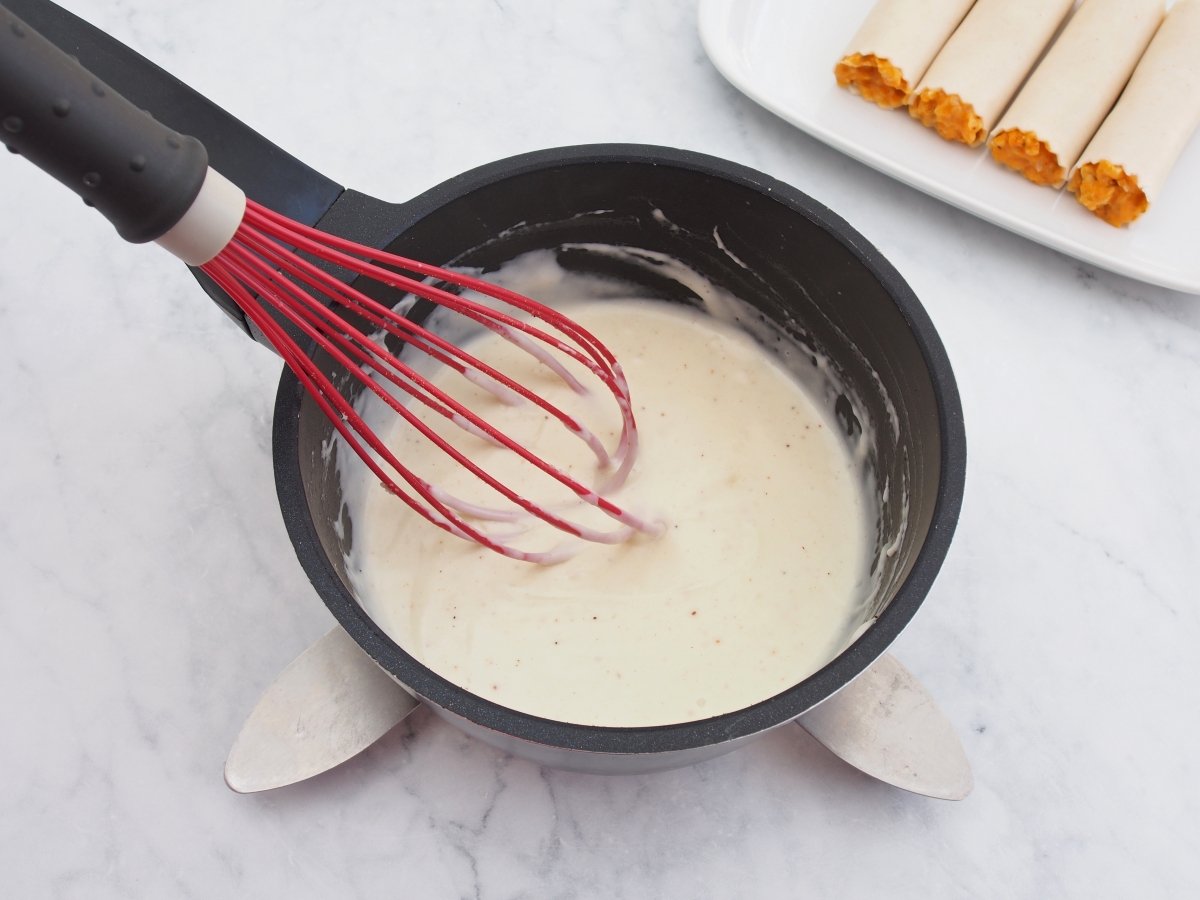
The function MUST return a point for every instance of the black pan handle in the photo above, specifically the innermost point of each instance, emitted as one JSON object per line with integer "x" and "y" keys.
{"x": 139, "y": 174}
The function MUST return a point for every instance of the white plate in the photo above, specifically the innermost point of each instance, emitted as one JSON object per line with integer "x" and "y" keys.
{"x": 781, "y": 53}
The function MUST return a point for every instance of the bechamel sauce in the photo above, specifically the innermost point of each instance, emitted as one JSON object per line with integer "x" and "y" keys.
{"x": 757, "y": 581}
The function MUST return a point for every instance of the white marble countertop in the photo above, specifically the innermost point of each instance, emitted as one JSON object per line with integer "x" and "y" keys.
{"x": 150, "y": 593}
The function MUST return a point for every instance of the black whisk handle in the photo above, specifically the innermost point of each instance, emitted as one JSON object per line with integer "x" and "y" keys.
{"x": 138, "y": 173}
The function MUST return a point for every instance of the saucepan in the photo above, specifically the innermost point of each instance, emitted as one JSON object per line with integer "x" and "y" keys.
{"x": 798, "y": 263}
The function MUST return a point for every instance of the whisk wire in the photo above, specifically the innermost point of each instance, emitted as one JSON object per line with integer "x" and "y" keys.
{"x": 258, "y": 272}
{"x": 337, "y": 410}
{"x": 420, "y": 338}
{"x": 345, "y": 253}
{"x": 359, "y": 361}
{"x": 601, "y": 361}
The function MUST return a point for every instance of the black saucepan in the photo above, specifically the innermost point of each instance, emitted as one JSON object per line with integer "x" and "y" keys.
{"x": 798, "y": 263}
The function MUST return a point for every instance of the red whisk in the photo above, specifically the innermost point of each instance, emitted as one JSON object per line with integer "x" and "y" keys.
{"x": 258, "y": 271}
{"x": 154, "y": 184}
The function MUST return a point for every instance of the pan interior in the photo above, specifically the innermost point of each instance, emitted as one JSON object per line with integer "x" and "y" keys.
{"x": 794, "y": 271}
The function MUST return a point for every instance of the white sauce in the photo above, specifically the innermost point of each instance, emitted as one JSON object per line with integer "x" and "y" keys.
{"x": 759, "y": 578}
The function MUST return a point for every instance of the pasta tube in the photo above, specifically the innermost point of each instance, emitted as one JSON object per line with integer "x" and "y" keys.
{"x": 1067, "y": 97}
{"x": 1126, "y": 164}
{"x": 895, "y": 45}
{"x": 976, "y": 74}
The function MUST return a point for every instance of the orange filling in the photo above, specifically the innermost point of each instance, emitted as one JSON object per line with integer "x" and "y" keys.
{"x": 1025, "y": 152}
{"x": 1109, "y": 191}
{"x": 873, "y": 78}
{"x": 948, "y": 115}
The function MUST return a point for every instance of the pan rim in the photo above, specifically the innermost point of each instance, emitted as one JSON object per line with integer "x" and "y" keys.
{"x": 766, "y": 714}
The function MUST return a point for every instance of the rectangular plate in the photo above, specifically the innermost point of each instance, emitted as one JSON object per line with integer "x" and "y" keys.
{"x": 781, "y": 54}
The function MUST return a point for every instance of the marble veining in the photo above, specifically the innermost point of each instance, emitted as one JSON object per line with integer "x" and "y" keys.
{"x": 150, "y": 593}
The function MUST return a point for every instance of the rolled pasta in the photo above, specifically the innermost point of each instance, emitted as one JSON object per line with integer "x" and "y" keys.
{"x": 976, "y": 74}
{"x": 1125, "y": 165}
{"x": 894, "y": 46}
{"x": 1067, "y": 97}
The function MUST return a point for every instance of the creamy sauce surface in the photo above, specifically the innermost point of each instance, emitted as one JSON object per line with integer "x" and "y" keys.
{"x": 756, "y": 581}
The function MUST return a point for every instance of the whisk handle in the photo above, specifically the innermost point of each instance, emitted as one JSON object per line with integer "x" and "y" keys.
{"x": 138, "y": 173}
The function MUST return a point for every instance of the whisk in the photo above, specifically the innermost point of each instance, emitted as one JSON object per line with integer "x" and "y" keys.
{"x": 156, "y": 185}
